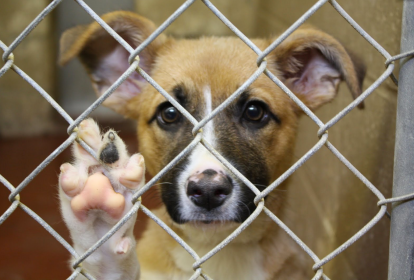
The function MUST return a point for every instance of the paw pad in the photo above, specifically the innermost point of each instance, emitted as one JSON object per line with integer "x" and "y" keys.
{"x": 98, "y": 194}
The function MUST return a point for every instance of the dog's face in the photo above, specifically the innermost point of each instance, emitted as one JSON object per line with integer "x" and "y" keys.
{"x": 261, "y": 121}
{"x": 255, "y": 133}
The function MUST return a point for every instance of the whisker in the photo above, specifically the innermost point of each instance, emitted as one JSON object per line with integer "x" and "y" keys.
{"x": 163, "y": 183}
{"x": 265, "y": 186}
{"x": 245, "y": 205}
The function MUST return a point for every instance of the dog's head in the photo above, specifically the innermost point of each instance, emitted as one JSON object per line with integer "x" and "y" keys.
{"x": 255, "y": 133}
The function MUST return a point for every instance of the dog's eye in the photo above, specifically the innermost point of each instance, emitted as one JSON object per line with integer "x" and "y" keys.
{"x": 254, "y": 112}
{"x": 169, "y": 114}
{"x": 167, "y": 117}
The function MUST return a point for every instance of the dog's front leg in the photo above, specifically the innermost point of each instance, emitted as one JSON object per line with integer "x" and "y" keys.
{"x": 95, "y": 195}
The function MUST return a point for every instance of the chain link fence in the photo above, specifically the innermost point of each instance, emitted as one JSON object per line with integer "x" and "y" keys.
{"x": 322, "y": 134}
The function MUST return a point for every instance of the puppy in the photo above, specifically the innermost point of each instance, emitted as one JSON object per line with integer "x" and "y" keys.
{"x": 203, "y": 201}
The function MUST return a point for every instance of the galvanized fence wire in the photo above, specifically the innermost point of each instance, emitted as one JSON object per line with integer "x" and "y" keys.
{"x": 322, "y": 134}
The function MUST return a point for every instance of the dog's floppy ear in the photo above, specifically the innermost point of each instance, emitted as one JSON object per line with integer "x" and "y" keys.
{"x": 106, "y": 60}
{"x": 311, "y": 63}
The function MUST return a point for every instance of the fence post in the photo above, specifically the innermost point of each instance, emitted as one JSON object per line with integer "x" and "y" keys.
{"x": 401, "y": 259}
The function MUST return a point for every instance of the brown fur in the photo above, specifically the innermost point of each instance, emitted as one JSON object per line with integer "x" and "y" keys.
{"x": 224, "y": 64}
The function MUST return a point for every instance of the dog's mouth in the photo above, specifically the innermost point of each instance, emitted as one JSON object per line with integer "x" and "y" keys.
{"x": 216, "y": 225}
{"x": 219, "y": 216}
{"x": 209, "y": 222}
{"x": 214, "y": 221}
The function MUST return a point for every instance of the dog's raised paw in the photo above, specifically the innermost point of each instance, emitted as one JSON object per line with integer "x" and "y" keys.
{"x": 96, "y": 191}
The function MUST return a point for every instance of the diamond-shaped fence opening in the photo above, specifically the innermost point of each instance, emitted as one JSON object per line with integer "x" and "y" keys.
{"x": 322, "y": 133}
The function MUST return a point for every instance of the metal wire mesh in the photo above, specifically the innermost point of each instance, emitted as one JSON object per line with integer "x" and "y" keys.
{"x": 322, "y": 133}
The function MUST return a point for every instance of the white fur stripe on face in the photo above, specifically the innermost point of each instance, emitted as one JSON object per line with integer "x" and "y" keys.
{"x": 200, "y": 156}
{"x": 201, "y": 159}
{"x": 209, "y": 127}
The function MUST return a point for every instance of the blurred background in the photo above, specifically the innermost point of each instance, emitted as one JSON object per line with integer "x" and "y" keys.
{"x": 326, "y": 203}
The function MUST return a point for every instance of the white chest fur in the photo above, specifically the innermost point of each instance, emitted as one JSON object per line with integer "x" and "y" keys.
{"x": 236, "y": 261}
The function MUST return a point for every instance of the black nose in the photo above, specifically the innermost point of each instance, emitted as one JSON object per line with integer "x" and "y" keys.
{"x": 209, "y": 189}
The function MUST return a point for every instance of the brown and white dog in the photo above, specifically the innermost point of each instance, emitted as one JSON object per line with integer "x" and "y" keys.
{"x": 203, "y": 202}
